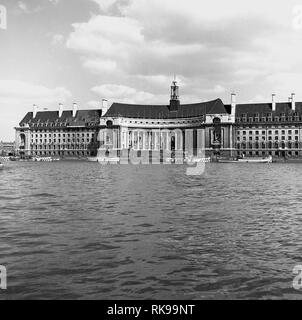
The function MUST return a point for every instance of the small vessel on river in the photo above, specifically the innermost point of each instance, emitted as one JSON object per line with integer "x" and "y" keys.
{"x": 268, "y": 159}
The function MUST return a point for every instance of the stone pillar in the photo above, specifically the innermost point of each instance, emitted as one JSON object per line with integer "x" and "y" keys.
{"x": 168, "y": 141}
{"x": 231, "y": 140}
{"x": 150, "y": 139}
{"x": 132, "y": 139}
{"x": 138, "y": 140}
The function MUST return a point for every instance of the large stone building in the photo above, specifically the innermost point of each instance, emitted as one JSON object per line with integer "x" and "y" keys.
{"x": 269, "y": 128}
{"x": 209, "y": 128}
{"x": 205, "y": 127}
{"x": 58, "y": 133}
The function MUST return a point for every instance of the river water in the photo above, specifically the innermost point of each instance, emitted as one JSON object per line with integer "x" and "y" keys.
{"x": 87, "y": 231}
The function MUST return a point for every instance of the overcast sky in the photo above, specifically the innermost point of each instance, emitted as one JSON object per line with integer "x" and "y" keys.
{"x": 129, "y": 50}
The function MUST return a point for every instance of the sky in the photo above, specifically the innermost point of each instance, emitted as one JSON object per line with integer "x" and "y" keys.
{"x": 65, "y": 51}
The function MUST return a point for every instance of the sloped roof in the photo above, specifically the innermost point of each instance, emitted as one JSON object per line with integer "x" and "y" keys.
{"x": 163, "y": 111}
{"x": 82, "y": 117}
{"x": 264, "y": 108}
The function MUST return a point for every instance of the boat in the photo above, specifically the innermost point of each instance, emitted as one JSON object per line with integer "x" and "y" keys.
{"x": 193, "y": 160}
{"x": 1, "y": 166}
{"x": 107, "y": 160}
{"x": 247, "y": 160}
{"x": 42, "y": 159}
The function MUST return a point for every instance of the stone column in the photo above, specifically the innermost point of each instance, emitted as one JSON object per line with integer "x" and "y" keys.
{"x": 132, "y": 139}
{"x": 144, "y": 140}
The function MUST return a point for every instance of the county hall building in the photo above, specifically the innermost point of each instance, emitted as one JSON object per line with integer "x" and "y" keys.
{"x": 212, "y": 127}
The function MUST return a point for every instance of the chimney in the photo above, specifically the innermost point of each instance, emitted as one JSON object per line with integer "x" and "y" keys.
{"x": 293, "y": 98}
{"x": 74, "y": 110}
{"x": 233, "y": 104}
{"x": 273, "y": 102}
{"x": 104, "y": 106}
{"x": 35, "y": 111}
{"x": 60, "y": 110}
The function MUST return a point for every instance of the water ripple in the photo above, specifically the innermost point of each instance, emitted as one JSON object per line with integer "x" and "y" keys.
{"x": 81, "y": 230}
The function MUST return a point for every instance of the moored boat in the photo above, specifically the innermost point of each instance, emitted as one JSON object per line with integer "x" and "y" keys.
{"x": 247, "y": 160}
{"x": 108, "y": 160}
{"x": 192, "y": 160}
{"x": 1, "y": 166}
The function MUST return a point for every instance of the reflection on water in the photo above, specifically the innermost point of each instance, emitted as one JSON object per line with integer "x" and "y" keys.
{"x": 82, "y": 230}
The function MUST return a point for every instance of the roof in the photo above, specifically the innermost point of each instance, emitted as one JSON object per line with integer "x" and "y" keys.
{"x": 82, "y": 117}
{"x": 163, "y": 111}
{"x": 252, "y": 109}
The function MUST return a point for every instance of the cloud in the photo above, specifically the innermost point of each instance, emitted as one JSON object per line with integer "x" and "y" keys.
{"x": 121, "y": 93}
{"x": 216, "y": 46}
{"x": 17, "y": 98}
{"x": 18, "y": 91}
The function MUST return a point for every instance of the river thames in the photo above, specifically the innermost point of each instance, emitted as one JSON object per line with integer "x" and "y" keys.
{"x": 79, "y": 230}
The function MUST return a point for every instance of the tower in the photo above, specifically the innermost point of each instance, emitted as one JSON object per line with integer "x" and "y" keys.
{"x": 174, "y": 101}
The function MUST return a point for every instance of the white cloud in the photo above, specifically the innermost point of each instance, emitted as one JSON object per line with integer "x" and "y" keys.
{"x": 17, "y": 98}
{"x": 120, "y": 93}
{"x": 18, "y": 91}
{"x": 214, "y": 45}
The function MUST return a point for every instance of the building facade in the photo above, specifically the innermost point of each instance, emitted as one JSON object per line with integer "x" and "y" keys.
{"x": 269, "y": 128}
{"x": 7, "y": 149}
{"x": 211, "y": 129}
{"x": 58, "y": 133}
{"x": 203, "y": 128}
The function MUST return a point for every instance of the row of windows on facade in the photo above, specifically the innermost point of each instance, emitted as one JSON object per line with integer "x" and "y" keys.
{"x": 56, "y": 124}
{"x": 59, "y": 135}
{"x": 200, "y": 118}
{"x": 36, "y": 141}
{"x": 283, "y": 138}
{"x": 71, "y": 147}
{"x": 269, "y": 132}
{"x": 269, "y": 119}
{"x": 62, "y": 153}
{"x": 68, "y": 130}
{"x": 269, "y": 145}
{"x": 271, "y": 153}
